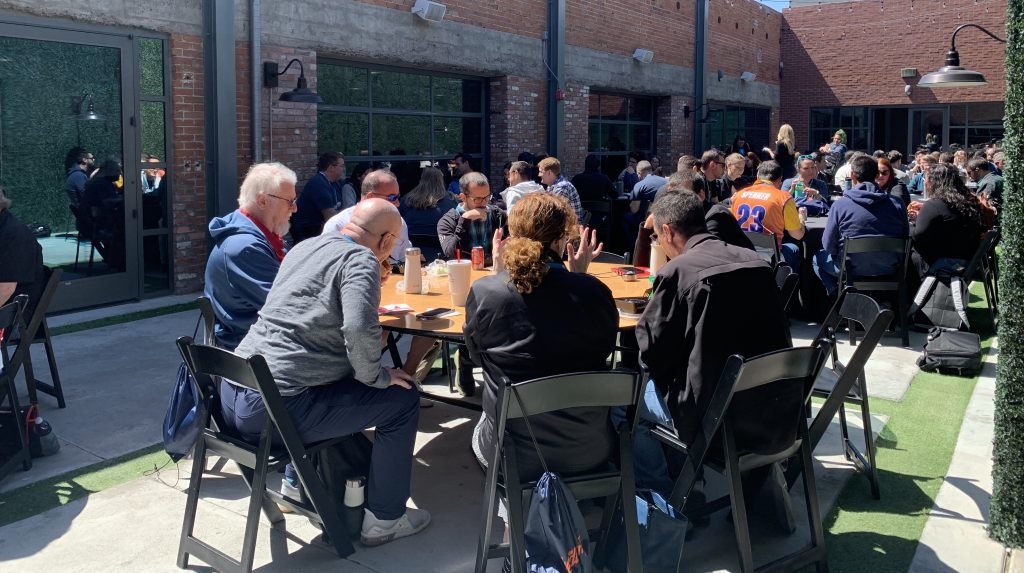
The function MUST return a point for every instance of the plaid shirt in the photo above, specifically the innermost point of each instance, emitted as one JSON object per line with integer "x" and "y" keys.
{"x": 563, "y": 188}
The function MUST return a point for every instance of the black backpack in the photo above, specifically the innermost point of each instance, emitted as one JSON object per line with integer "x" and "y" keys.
{"x": 951, "y": 352}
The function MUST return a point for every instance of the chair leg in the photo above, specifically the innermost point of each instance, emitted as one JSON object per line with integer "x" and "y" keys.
{"x": 903, "y": 307}
{"x": 739, "y": 508}
{"x": 192, "y": 500}
{"x": 30, "y": 379}
{"x": 844, "y": 430}
{"x": 516, "y": 519}
{"x": 780, "y": 495}
{"x": 490, "y": 497}
{"x": 869, "y": 443}
{"x": 852, "y": 327}
{"x": 627, "y": 489}
{"x": 811, "y": 497}
{"x": 57, "y": 390}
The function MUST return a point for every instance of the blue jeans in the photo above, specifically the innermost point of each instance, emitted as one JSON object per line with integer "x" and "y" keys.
{"x": 827, "y": 271}
{"x": 341, "y": 409}
{"x": 649, "y": 462}
{"x": 792, "y": 254}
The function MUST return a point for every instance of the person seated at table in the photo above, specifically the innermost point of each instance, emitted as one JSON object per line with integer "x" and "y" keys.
{"x": 765, "y": 207}
{"x": 924, "y": 163}
{"x": 382, "y": 184}
{"x": 320, "y": 336}
{"x": 640, "y": 198}
{"x": 989, "y": 185}
{"x": 320, "y": 198}
{"x": 521, "y": 183}
{"x": 591, "y": 184}
{"x": 538, "y": 316}
{"x": 709, "y": 180}
{"x": 735, "y": 180}
{"x": 718, "y": 218}
{"x": 103, "y": 203}
{"x": 248, "y": 247}
{"x": 888, "y": 181}
{"x": 806, "y": 175}
{"x": 864, "y": 211}
{"x": 472, "y": 222}
{"x": 21, "y": 261}
{"x": 549, "y": 170}
{"x": 690, "y": 328}
{"x": 424, "y": 206}
{"x": 949, "y": 224}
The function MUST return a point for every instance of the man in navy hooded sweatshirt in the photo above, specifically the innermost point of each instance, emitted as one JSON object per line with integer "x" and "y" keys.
{"x": 864, "y": 211}
{"x": 247, "y": 251}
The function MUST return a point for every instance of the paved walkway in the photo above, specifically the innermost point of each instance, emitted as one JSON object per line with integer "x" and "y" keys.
{"x": 116, "y": 398}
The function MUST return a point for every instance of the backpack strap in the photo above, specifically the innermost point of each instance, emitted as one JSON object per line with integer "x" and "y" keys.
{"x": 529, "y": 428}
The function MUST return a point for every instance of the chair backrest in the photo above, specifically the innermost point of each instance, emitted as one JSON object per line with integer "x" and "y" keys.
{"x": 741, "y": 375}
{"x": 766, "y": 245}
{"x": 606, "y": 257}
{"x": 207, "y": 363}
{"x": 576, "y": 390}
{"x": 856, "y": 245}
{"x": 10, "y": 317}
{"x": 209, "y": 319}
{"x": 30, "y": 324}
{"x": 981, "y": 255}
{"x": 786, "y": 280}
{"x": 851, "y": 305}
{"x": 597, "y": 207}
{"x": 876, "y": 246}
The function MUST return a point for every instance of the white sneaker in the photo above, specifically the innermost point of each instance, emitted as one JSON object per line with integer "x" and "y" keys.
{"x": 380, "y": 531}
{"x": 289, "y": 490}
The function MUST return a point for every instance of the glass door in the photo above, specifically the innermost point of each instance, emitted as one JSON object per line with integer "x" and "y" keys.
{"x": 67, "y": 132}
{"x": 928, "y": 127}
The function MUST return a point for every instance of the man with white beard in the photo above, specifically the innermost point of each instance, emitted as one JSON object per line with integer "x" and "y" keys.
{"x": 248, "y": 249}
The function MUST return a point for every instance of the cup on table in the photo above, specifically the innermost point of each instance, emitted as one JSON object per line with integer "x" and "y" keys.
{"x": 459, "y": 273}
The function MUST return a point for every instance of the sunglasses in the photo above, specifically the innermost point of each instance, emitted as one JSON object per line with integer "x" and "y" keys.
{"x": 291, "y": 202}
{"x": 390, "y": 198}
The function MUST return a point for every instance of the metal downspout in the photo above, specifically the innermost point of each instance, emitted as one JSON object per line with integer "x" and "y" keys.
{"x": 701, "y": 48}
{"x": 255, "y": 58}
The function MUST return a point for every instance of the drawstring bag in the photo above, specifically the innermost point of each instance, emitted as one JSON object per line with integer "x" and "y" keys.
{"x": 185, "y": 414}
{"x": 556, "y": 536}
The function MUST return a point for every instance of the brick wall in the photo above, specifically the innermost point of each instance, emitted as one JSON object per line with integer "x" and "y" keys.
{"x": 576, "y": 129}
{"x": 743, "y": 36}
{"x": 243, "y": 107}
{"x": 522, "y": 17}
{"x": 187, "y": 176}
{"x": 675, "y": 133}
{"x": 517, "y": 112}
{"x": 294, "y": 124}
{"x": 822, "y": 69}
{"x": 622, "y": 26}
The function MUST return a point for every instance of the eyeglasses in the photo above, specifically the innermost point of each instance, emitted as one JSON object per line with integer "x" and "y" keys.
{"x": 291, "y": 202}
{"x": 654, "y": 237}
{"x": 483, "y": 199}
{"x": 390, "y": 198}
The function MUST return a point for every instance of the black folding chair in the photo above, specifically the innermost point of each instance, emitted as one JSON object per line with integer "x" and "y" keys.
{"x": 35, "y": 329}
{"x": 551, "y": 394}
{"x": 792, "y": 365}
{"x": 893, "y": 283}
{"x": 209, "y": 320}
{"x": 766, "y": 246}
{"x": 846, "y": 383}
{"x": 787, "y": 281}
{"x": 981, "y": 268}
{"x": 16, "y": 438}
{"x": 600, "y": 217}
{"x": 206, "y": 364}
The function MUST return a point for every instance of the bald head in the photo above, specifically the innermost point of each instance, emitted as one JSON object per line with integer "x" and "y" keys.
{"x": 375, "y": 224}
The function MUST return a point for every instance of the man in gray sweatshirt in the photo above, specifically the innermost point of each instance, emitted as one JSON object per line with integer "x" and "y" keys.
{"x": 321, "y": 337}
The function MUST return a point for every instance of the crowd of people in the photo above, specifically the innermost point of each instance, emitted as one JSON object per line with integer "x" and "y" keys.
{"x": 311, "y": 309}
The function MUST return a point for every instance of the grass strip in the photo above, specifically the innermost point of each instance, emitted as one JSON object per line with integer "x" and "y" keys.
{"x": 59, "y": 490}
{"x": 914, "y": 451}
{"x": 130, "y": 317}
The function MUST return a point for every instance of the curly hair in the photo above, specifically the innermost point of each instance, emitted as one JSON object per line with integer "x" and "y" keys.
{"x": 945, "y": 184}
{"x": 536, "y": 221}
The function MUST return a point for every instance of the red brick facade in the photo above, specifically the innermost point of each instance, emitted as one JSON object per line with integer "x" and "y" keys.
{"x": 517, "y": 112}
{"x": 188, "y": 179}
{"x": 831, "y": 63}
{"x": 621, "y": 26}
{"x": 744, "y": 37}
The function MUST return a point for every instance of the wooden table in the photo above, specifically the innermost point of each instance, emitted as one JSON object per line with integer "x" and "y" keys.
{"x": 450, "y": 328}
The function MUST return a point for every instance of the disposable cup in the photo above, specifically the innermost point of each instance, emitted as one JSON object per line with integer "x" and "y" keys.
{"x": 459, "y": 273}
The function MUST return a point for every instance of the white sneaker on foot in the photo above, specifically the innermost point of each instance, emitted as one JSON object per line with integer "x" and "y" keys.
{"x": 289, "y": 490}
{"x": 380, "y": 531}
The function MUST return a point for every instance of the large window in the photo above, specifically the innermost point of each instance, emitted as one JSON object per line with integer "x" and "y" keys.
{"x": 825, "y": 122}
{"x": 618, "y": 125}
{"x": 975, "y": 124}
{"x": 724, "y": 124}
{"x": 403, "y": 118}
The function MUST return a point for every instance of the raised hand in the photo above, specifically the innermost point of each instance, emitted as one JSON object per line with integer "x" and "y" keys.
{"x": 580, "y": 258}
{"x": 498, "y": 250}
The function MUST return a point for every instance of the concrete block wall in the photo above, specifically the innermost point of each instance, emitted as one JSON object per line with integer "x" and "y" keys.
{"x": 826, "y": 60}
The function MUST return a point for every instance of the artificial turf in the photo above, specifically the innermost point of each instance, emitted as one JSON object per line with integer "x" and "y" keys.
{"x": 914, "y": 451}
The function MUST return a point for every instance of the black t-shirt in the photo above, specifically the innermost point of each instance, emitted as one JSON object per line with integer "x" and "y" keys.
{"x": 714, "y": 190}
{"x": 593, "y": 186}
{"x": 21, "y": 260}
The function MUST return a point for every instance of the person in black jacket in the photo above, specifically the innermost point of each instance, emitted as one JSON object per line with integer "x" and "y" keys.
{"x": 592, "y": 185}
{"x": 535, "y": 318}
{"x": 949, "y": 225}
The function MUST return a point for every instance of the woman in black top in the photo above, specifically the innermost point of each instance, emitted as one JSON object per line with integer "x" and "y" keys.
{"x": 886, "y": 181}
{"x": 949, "y": 225}
{"x": 785, "y": 151}
{"x": 535, "y": 318}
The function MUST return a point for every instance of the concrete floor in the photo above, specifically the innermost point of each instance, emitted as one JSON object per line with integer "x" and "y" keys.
{"x": 117, "y": 393}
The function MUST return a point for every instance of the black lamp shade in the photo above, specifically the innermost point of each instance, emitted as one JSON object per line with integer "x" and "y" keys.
{"x": 952, "y": 77}
{"x": 302, "y": 93}
{"x": 90, "y": 113}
